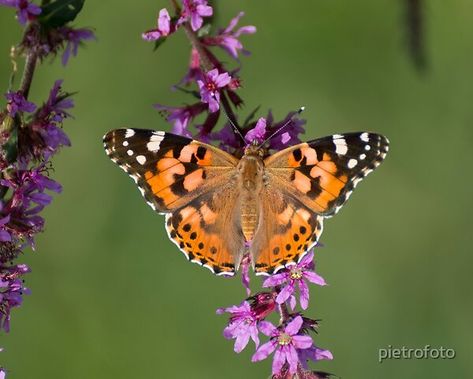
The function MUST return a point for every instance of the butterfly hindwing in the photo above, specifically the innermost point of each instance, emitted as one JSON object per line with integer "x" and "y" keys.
{"x": 170, "y": 170}
{"x": 323, "y": 173}
{"x": 287, "y": 230}
{"x": 207, "y": 230}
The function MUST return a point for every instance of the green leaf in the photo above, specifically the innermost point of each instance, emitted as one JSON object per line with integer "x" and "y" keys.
{"x": 59, "y": 12}
{"x": 158, "y": 43}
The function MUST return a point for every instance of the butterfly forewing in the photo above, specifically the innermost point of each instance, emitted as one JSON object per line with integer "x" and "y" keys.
{"x": 170, "y": 170}
{"x": 323, "y": 173}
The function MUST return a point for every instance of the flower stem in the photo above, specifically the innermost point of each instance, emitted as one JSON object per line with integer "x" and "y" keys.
{"x": 284, "y": 312}
{"x": 28, "y": 72}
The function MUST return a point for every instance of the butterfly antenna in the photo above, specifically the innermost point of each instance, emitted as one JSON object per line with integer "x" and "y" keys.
{"x": 235, "y": 128}
{"x": 301, "y": 109}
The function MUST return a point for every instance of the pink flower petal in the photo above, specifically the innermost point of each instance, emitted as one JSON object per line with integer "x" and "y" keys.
{"x": 267, "y": 328}
{"x": 275, "y": 280}
{"x": 294, "y": 326}
{"x": 278, "y": 360}
{"x": 285, "y": 293}
{"x": 314, "y": 278}
{"x": 304, "y": 291}
{"x": 292, "y": 358}
{"x": 302, "y": 342}
{"x": 164, "y": 22}
{"x": 263, "y": 351}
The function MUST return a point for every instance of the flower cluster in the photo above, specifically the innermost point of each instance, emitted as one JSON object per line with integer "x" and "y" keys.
{"x": 30, "y": 135}
{"x": 214, "y": 89}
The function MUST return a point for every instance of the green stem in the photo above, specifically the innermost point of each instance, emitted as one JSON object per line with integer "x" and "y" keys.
{"x": 28, "y": 72}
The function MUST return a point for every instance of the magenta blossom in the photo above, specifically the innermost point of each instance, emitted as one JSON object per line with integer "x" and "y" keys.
{"x": 25, "y": 10}
{"x": 258, "y": 133}
{"x": 11, "y": 291}
{"x": 210, "y": 88}
{"x": 181, "y": 116}
{"x": 163, "y": 29}
{"x": 296, "y": 274}
{"x": 193, "y": 11}
{"x": 242, "y": 325}
{"x": 74, "y": 38}
{"x": 284, "y": 343}
{"x": 314, "y": 354}
{"x": 18, "y": 103}
{"x": 227, "y": 38}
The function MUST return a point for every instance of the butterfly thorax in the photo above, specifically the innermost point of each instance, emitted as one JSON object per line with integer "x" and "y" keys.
{"x": 250, "y": 183}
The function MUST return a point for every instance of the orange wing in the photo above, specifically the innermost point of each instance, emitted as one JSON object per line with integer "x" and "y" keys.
{"x": 323, "y": 173}
{"x": 287, "y": 230}
{"x": 192, "y": 183}
{"x": 170, "y": 170}
{"x": 306, "y": 183}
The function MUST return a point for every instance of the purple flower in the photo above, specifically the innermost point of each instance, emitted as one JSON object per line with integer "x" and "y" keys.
{"x": 74, "y": 37}
{"x": 163, "y": 29}
{"x": 194, "y": 10}
{"x": 313, "y": 354}
{"x": 242, "y": 325}
{"x": 194, "y": 72}
{"x": 18, "y": 103}
{"x": 245, "y": 272}
{"x": 57, "y": 103}
{"x": 296, "y": 274}
{"x": 285, "y": 344}
{"x": 25, "y": 10}
{"x": 289, "y": 135}
{"x": 5, "y": 236}
{"x": 257, "y": 133}
{"x": 181, "y": 116}
{"x": 2, "y": 373}
{"x": 210, "y": 88}
{"x": 227, "y": 38}
{"x": 11, "y": 291}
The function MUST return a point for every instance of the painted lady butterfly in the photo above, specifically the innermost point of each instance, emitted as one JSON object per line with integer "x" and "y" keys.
{"x": 215, "y": 203}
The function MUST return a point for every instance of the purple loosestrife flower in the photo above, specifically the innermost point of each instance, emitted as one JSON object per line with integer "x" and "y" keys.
{"x": 227, "y": 38}
{"x": 11, "y": 291}
{"x": 25, "y": 10}
{"x": 314, "y": 354}
{"x": 296, "y": 274}
{"x": 258, "y": 133}
{"x": 163, "y": 29}
{"x": 193, "y": 11}
{"x": 5, "y": 236}
{"x": 18, "y": 103}
{"x": 210, "y": 88}
{"x": 284, "y": 342}
{"x": 181, "y": 116}
{"x": 74, "y": 38}
{"x": 242, "y": 325}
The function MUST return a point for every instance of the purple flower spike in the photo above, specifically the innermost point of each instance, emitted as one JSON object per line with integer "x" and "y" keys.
{"x": 74, "y": 37}
{"x": 11, "y": 292}
{"x": 18, "y": 103}
{"x": 163, "y": 29}
{"x": 296, "y": 274}
{"x": 228, "y": 40}
{"x": 193, "y": 11}
{"x": 284, "y": 343}
{"x": 210, "y": 88}
{"x": 242, "y": 325}
{"x": 257, "y": 133}
{"x": 25, "y": 10}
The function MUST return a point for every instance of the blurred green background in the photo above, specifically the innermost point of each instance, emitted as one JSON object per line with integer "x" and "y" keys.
{"x": 111, "y": 295}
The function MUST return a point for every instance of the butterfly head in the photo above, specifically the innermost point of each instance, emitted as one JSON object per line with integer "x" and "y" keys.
{"x": 251, "y": 168}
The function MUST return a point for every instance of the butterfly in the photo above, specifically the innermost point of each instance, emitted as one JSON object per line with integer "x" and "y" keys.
{"x": 219, "y": 207}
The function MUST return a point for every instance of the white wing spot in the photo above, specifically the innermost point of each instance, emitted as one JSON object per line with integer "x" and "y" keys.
{"x": 365, "y": 137}
{"x": 367, "y": 147}
{"x": 341, "y": 147}
{"x": 141, "y": 159}
{"x": 130, "y": 152}
{"x": 129, "y": 133}
{"x": 362, "y": 156}
{"x": 155, "y": 141}
{"x": 352, "y": 163}
{"x": 125, "y": 143}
